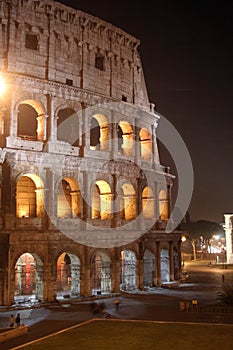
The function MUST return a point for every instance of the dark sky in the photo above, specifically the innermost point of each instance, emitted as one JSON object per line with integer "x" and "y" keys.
{"x": 187, "y": 55}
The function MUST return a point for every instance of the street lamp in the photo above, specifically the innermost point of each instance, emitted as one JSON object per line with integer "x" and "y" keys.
{"x": 183, "y": 239}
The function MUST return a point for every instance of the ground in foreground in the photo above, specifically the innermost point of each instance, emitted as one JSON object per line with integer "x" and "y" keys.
{"x": 115, "y": 335}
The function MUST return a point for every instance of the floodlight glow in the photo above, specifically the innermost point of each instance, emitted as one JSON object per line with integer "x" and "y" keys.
{"x": 2, "y": 86}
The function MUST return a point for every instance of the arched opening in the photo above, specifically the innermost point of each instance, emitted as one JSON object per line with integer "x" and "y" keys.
{"x": 67, "y": 126}
{"x": 128, "y": 265}
{"x": 28, "y": 278}
{"x": 163, "y": 205}
{"x": 127, "y": 202}
{"x": 165, "y": 266}
{"x": 29, "y": 196}
{"x": 101, "y": 273}
{"x": 101, "y": 200}
{"x": 148, "y": 203}
{"x": 31, "y": 121}
{"x": 145, "y": 144}
{"x": 68, "y": 276}
{"x": 125, "y": 138}
{"x": 69, "y": 202}
{"x": 149, "y": 269}
{"x": 120, "y": 139}
{"x": 99, "y": 133}
{"x": 27, "y": 122}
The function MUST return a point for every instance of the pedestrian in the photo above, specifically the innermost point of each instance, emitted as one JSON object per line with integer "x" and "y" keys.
{"x": 116, "y": 302}
{"x": 17, "y": 320}
{"x": 12, "y": 321}
{"x": 223, "y": 278}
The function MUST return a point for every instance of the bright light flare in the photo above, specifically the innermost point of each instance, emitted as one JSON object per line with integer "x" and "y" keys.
{"x": 2, "y": 86}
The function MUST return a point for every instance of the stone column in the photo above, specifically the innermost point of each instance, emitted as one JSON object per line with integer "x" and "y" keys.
{"x": 86, "y": 197}
{"x": 4, "y": 269}
{"x": 114, "y": 140}
{"x": 171, "y": 261}
{"x": 8, "y": 194}
{"x": 52, "y": 129}
{"x": 41, "y": 127}
{"x": 86, "y": 281}
{"x": 116, "y": 272}
{"x": 158, "y": 267}
{"x": 50, "y": 199}
{"x": 155, "y": 152}
{"x": 141, "y": 274}
{"x": 137, "y": 144}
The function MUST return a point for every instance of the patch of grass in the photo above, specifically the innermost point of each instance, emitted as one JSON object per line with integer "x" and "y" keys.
{"x": 136, "y": 335}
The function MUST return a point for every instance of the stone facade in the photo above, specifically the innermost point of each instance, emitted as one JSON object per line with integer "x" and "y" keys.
{"x": 84, "y": 199}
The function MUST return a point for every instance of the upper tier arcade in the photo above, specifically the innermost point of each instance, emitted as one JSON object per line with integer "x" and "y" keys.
{"x": 48, "y": 40}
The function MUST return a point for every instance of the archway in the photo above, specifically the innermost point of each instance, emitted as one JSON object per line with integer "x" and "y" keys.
{"x": 31, "y": 121}
{"x": 28, "y": 278}
{"x": 148, "y": 203}
{"x": 69, "y": 200}
{"x": 68, "y": 126}
{"x": 145, "y": 144}
{"x": 125, "y": 138}
{"x": 149, "y": 268}
{"x": 165, "y": 266}
{"x": 163, "y": 205}
{"x": 29, "y": 196}
{"x": 101, "y": 200}
{"x": 128, "y": 270}
{"x": 68, "y": 275}
{"x": 99, "y": 133}
{"x": 101, "y": 273}
{"x": 128, "y": 209}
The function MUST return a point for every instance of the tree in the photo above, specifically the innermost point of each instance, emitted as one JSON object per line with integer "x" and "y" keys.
{"x": 201, "y": 228}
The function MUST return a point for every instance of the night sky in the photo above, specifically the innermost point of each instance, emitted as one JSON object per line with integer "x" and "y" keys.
{"x": 187, "y": 56}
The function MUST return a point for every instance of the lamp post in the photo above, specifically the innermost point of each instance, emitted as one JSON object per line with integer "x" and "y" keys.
{"x": 183, "y": 239}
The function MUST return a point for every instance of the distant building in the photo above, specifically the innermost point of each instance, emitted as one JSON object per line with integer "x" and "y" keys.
{"x": 65, "y": 181}
{"x": 228, "y": 227}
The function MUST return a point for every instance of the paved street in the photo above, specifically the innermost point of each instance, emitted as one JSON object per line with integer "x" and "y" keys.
{"x": 162, "y": 304}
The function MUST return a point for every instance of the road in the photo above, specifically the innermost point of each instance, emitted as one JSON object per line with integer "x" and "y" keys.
{"x": 161, "y": 304}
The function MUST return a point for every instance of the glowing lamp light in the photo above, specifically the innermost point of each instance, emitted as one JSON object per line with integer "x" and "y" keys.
{"x": 2, "y": 86}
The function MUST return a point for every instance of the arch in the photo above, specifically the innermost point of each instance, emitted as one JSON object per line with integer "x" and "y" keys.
{"x": 67, "y": 126}
{"x": 165, "y": 265}
{"x": 145, "y": 144}
{"x": 28, "y": 278}
{"x": 163, "y": 205}
{"x": 148, "y": 203}
{"x": 128, "y": 209}
{"x": 125, "y": 138}
{"x": 128, "y": 264}
{"x": 29, "y": 196}
{"x": 69, "y": 200}
{"x": 99, "y": 132}
{"x": 68, "y": 275}
{"x": 31, "y": 121}
{"x": 101, "y": 200}
{"x": 101, "y": 273}
{"x": 149, "y": 269}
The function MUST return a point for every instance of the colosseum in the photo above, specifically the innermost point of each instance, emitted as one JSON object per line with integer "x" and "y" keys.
{"x": 84, "y": 198}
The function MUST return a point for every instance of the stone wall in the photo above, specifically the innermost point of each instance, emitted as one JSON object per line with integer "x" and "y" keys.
{"x": 48, "y": 40}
